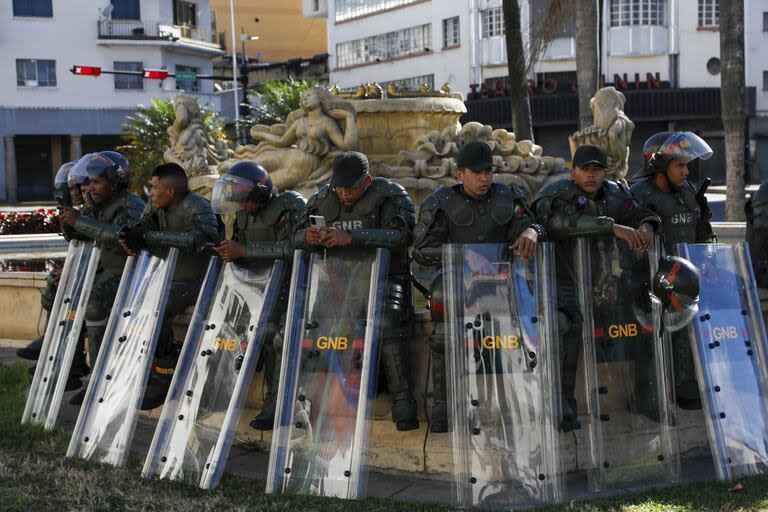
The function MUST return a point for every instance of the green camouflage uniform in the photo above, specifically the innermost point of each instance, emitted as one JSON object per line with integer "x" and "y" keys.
{"x": 383, "y": 218}
{"x": 448, "y": 216}
{"x": 683, "y": 220}
{"x": 567, "y": 214}
{"x": 101, "y": 224}
{"x": 191, "y": 227}
{"x": 267, "y": 236}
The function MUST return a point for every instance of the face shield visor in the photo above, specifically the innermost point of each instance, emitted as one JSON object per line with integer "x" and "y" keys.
{"x": 680, "y": 311}
{"x": 230, "y": 194}
{"x": 685, "y": 146}
{"x": 90, "y": 166}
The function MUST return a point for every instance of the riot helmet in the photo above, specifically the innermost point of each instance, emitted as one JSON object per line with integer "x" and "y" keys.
{"x": 684, "y": 146}
{"x": 662, "y": 148}
{"x": 651, "y": 147}
{"x": 60, "y": 185}
{"x": 123, "y": 167}
{"x": 98, "y": 164}
{"x": 244, "y": 181}
{"x": 436, "y": 299}
{"x": 676, "y": 283}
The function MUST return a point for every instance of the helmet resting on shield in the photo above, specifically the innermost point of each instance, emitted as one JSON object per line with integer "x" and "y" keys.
{"x": 676, "y": 283}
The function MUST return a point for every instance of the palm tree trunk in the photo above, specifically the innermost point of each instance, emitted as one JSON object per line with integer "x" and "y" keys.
{"x": 732, "y": 96}
{"x": 587, "y": 56}
{"x": 518, "y": 79}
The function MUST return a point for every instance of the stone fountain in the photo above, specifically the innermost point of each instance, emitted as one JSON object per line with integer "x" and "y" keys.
{"x": 411, "y": 137}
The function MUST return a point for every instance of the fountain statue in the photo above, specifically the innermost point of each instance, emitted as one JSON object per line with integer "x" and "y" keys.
{"x": 612, "y": 131}
{"x": 410, "y": 136}
{"x": 192, "y": 147}
{"x": 299, "y": 153}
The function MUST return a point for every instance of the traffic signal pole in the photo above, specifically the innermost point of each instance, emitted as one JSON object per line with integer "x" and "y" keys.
{"x": 148, "y": 73}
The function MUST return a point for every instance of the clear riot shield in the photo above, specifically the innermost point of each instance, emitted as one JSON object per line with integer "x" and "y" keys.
{"x": 328, "y": 374}
{"x": 61, "y": 336}
{"x": 501, "y": 353}
{"x": 214, "y": 373}
{"x": 630, "y": 429}
{"x": 108, "y": 416}
{"x": 730, "y": 355}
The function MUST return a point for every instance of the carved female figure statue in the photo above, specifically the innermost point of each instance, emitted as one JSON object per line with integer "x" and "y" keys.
{"x": 298, "y": 154}
{"x": 191, "y": 145}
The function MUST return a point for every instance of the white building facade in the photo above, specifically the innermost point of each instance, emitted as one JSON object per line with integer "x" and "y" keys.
{"x": 663, "y": 53}
{"x": 49, "y": 115}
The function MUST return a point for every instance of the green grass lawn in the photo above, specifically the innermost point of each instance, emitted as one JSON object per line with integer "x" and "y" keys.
{"x": 35, "y": 475}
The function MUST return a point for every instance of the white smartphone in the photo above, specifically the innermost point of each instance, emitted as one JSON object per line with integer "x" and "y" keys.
{"x": 317, "y": 221}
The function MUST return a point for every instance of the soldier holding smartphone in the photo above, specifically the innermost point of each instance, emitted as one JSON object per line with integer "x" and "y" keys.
{"x": 358, "y": 211}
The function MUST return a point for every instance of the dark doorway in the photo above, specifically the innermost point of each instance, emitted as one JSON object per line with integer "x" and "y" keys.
{"x": 33, "y": 167}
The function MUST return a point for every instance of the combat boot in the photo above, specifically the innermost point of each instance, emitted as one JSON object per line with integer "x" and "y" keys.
{"x": 265, "y": 420}
{"x": 403, "y": 405}
{"x": 160, "y": 377}
{"x": 32, "y": 351}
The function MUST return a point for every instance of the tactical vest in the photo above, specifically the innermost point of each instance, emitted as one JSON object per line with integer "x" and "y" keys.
{"x": 271, "y": 223}
{"x": 125, "y": 208}
{"x": 193, "y": 209}
{"x": 566, "y": 199}
{"x": 679, "y": 212}
{"x": 262, "y": 226}
{"x": 613, "y": 200}
{"x": 478, "y": 221}
{"x": 365, "y": 214}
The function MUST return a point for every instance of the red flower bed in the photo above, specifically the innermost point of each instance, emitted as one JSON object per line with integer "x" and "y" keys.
{"x": 29, "y": 222}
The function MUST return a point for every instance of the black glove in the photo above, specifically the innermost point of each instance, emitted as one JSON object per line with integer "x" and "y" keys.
{"x": 133, "y": 236}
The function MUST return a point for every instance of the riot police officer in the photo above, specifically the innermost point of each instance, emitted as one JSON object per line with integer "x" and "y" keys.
{"x": 685, "y": 218}
{"x": 176, "y": 217}
{"x": 473, "y": 211}
{"x": 109, "y": 205}
{"x": 361, "y": 211}
{"x": 48, "y": 293}
{"x": 662, "y": 186}
{"x": 65, "y": 196}
{"x": 263, "y": 229}
{"x": 587, "y": 205}
{"x": 757, "y": 233}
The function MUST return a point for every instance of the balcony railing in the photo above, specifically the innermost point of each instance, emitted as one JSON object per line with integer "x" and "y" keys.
{"x": 152, "y": 30}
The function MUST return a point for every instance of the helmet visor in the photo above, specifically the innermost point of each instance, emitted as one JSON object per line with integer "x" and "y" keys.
{"x": 229, "y": 194}
{"x": 685, "y": 146}
{"x": 679, "y": 313}
{"x": 61, "y": 175}
{"x": 90, "y": 166}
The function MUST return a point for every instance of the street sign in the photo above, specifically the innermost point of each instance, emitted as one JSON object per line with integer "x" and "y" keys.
{"x": 186, "y": 76}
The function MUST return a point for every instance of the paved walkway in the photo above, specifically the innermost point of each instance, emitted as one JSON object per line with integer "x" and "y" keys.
{"x": 251, "y": 461}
